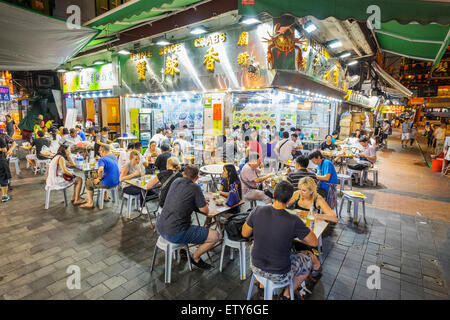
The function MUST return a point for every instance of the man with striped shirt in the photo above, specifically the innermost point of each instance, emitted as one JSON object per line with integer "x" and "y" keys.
{"x": 301, "y": 171}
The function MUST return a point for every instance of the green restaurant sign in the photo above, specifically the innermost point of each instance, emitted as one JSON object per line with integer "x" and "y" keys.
{"x": 89, "y": 79}
{"x": 232, "y": 59}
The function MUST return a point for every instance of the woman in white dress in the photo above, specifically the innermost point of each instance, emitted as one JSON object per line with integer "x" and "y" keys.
{"x": 54, "y": 141}
{"x": 56, "y": 172}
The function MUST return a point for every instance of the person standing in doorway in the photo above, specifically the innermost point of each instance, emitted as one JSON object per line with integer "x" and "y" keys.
{"x": 10, "y": 126}
{"x": 102, "y": 140}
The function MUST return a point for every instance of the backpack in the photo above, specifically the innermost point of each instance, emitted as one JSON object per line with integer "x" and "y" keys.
{"x": 233, "y": 227}
{"x": 358, "y": 166}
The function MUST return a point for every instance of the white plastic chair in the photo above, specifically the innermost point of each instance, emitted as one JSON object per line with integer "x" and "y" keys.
{"x": 269, "y": 287}
{"x": 169, "y": 248}
{"x": 48, "y": 191}
{"x": 101, "y": 196}
{"x": 130, "y": 198}
{"x": 241, "y": 246}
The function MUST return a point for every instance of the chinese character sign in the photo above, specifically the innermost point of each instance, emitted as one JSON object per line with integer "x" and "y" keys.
{"x": 242, "y": 58}
{"x": 141, "y": 69}
{"x": 243, "y": 39}
{"x": 171, "y": 65}
{"x": 210, "y": 58}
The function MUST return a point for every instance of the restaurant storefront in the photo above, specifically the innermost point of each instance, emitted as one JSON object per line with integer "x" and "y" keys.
{"x": 357, "y": 113}
{"x": 218, "y": 80}
{"x": 89, "y": 99}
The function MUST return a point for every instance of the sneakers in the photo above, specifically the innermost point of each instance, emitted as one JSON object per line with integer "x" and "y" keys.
{"x": 201, "y": 264}
{"x": 5, "y": 198}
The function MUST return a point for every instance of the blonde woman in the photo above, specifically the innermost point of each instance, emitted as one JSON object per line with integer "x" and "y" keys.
{"x": 307, "y": 195}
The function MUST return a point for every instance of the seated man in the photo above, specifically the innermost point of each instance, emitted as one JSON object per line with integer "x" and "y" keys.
{"x": 70, "y": 140}
{"x": 298, "y": 146}
{"x": 369, "y": 154}
{"x": 39, "y": 143}
{"x": 274, "y": 229}
{"x": 284, "y": 148}
{"x": 326, "y": 173}
{"x": 108, "y": 175}
{"x": 161, "y": 161}
{"x": 174, "y": 223}
{"x": 250, "y": 179}
{"x": 301, "y": 171}
{"x": 102, "y": 140}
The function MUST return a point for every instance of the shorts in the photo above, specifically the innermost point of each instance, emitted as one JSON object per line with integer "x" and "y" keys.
{"x": 405, "y": 136}
{"x": 192, "y": 235}
{"x": 301, "y": 265}
{"x": 91, "y": 186}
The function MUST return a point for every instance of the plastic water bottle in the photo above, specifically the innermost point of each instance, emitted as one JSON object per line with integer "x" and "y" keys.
{"x": 201, "y": 187}
{"x": 310, "y": 218}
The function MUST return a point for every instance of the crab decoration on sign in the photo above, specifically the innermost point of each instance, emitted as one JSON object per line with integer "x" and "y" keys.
{"x": 284, "y": 42}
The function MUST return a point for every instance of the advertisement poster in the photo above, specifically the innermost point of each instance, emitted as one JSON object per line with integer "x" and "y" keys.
{"x": 4, "y": 94}
{"x": 89, "y": 79}
{"x": 134, "y": 119}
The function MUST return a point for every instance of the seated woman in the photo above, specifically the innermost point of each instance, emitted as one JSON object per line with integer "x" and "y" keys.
{"x": 328, "y": 144}
{"x": 176, "y": 152}
{"x": 165, "y": 179}
{"x": 54, "y": 140}
{"x": 307, "y": 196}
{"x": 130, "y": 170}
{"x": 59, "y": 177}
{"x": 230, "y": 179}
{"x": 152, "y": 152}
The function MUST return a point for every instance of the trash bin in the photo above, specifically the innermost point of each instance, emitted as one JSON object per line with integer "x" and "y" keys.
{"x": 436, "y": 165}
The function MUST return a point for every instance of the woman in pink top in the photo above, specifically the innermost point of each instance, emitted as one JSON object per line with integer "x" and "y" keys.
{"x": 254, "y": 145}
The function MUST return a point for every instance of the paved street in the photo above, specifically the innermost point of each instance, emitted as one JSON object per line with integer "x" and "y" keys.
{"x": 407, "y": 235}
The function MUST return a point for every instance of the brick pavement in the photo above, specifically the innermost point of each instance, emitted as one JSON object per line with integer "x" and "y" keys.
{"x": 114, "y": 254}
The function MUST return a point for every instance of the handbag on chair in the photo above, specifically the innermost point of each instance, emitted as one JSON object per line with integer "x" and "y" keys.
{"x": 233, "y": 196}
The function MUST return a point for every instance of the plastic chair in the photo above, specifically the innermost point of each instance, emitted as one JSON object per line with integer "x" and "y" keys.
{"x": 374, "y": 173}
{"x": 240, "y": 245}
{"x": 41, "y": 165}
{"x": 169, "y": 248}
{"x": 47, "y": 195}
{"x": 130, "y": 198}
{"x": 356, "y": 201}
{"x": 358, "y": 173}
{"x": 15, "y": 161}
{"x": 343, "y": 179}
{"x": 269, "y": 287}
{"x": 101, "y": 196}
{"x": 207, "y": 181}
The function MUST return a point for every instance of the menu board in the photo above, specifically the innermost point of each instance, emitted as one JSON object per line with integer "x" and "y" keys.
{"x": 256, "y": 119}
{"x": 288, "y": 119}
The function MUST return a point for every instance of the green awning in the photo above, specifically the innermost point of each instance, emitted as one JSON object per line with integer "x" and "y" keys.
{"x": 135, "y": 12}
{"x": 412, "y": 28}
{"x": 403, "y": 11}
{"x": 414, "y": 41}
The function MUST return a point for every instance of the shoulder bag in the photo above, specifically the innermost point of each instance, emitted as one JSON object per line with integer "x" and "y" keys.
{"x": 233, "y": 196}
